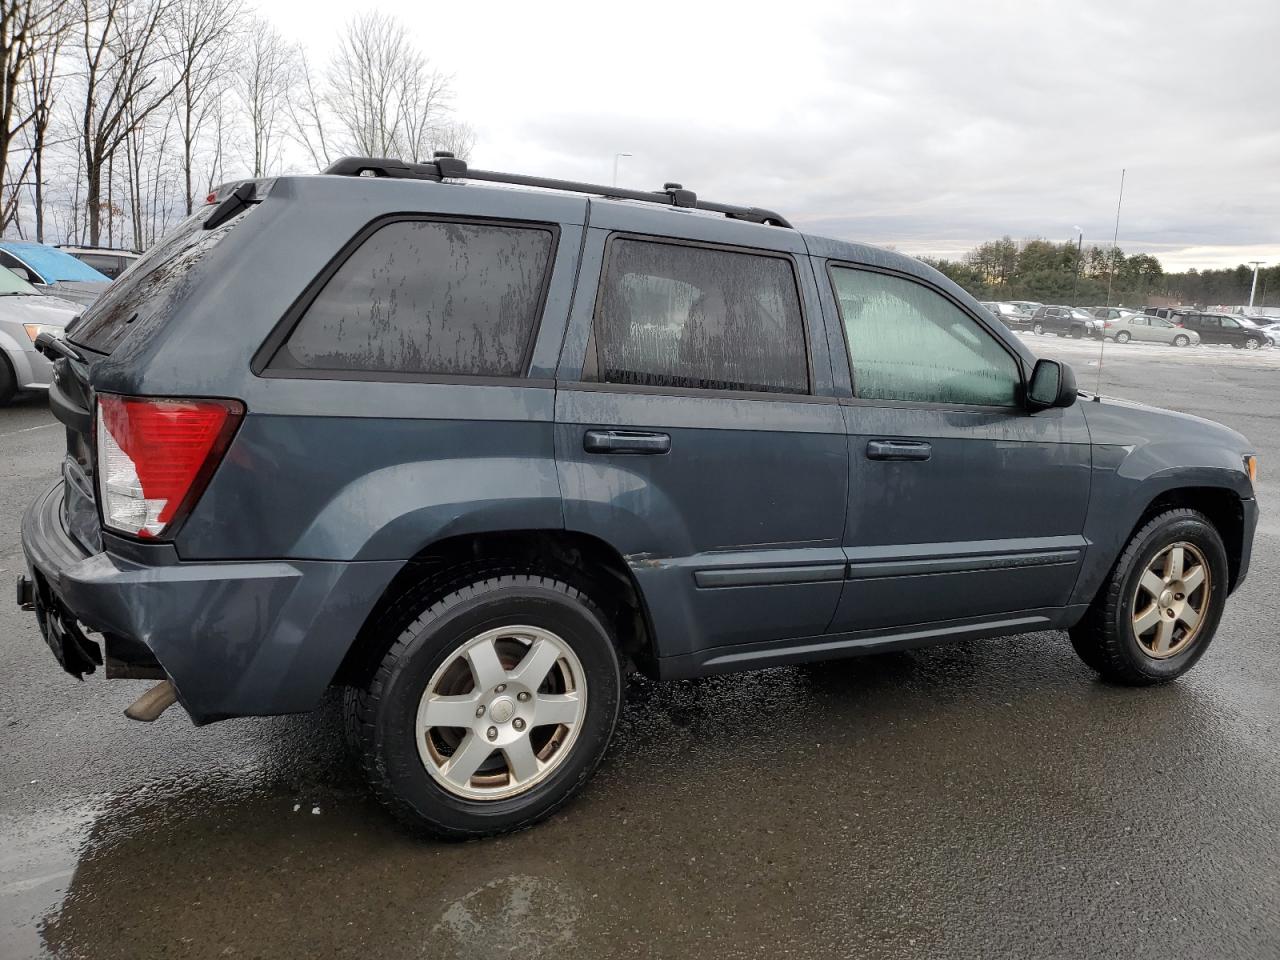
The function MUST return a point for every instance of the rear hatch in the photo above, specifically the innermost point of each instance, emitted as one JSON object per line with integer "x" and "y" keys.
{"x": 136, "y": 306}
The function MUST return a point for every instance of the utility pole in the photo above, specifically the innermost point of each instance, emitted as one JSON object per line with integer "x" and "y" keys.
{"x": 1254, "y": 289}
{"x": 1075, "y": 281}
{"x": 616, "y": 158}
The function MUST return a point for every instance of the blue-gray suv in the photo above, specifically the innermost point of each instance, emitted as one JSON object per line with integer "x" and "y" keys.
{"x": 473, "y": 445}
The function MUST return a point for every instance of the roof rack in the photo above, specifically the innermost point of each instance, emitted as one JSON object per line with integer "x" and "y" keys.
{"x": 445, "y": 165}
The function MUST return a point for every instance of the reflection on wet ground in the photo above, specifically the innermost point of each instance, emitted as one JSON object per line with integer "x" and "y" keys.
{"x": 957, "y": 802}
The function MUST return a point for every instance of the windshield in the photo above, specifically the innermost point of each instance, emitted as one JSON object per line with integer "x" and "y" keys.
{"x": 1081, "y": 314}
{"x": 53, "y": 264}
{"x": 12, "y": 285}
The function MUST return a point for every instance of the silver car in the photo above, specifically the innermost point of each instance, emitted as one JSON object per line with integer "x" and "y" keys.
{"x": 1140, "y": 326}
{"x": 25, "y": 313}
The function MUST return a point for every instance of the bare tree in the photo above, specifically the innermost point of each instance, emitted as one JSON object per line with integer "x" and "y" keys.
{"x": 28, "y": 29}
{"x": 382, "y": 91}
{"x": 308, "y": 113}
{"x": 200, "y": 45}
{"x": 457, "y": 137}
{"x": 267, "y": 71}
{"x": 124, "y": 83}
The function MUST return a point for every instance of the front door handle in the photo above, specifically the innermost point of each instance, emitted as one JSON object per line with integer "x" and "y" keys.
{"x": 898, "y": 450}
{"x": 625, "y": 441}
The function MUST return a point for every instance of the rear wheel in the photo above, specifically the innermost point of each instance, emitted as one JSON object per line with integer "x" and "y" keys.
{"x": 1159, "y": 608}
{"x": 1038, "y": 328}
{"x": 1123, "y": 337}
{"x": 491, "y": 709}
{"x": 1181, "y": 340}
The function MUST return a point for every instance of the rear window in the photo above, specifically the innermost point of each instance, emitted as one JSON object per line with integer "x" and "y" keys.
{"x": 159, "y": 279}
{"x": 428, "y": 297}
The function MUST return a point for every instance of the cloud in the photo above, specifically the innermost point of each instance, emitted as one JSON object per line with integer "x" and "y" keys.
{"x": 928, "y": 125}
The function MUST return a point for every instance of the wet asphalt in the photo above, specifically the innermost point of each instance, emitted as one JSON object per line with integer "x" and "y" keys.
{"x": 989, "y": 799}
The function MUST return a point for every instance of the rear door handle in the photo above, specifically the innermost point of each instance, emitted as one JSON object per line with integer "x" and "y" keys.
{"x": 898, "y": 450}
{"x": 626, "y": 441}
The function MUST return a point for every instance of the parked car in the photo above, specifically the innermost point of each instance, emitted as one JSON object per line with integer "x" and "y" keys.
{"x": 1139, "y": 326}
{"x": 1252, "y": 323}
{"x": 25, "y": 313}
{"x": 53, "y": 270}
{"x": 1010, "y": 315}
{"x": 1109, "y": 313}
{"x": 1026, "y": 306}
{"x": 470, "y": 451}
{"x": 108, "y": 261}
{"x": 1223, "y": 328}
{"x": 1063, "y": 320}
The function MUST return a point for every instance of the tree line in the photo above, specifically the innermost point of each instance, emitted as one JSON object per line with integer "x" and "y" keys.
{"x": 1073, "y": 274}
{"x": 118, "y": 116}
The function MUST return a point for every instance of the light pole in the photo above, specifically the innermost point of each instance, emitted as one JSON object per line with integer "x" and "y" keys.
{"x": 616, "y": 158}
{"x": 1254, "y": 289}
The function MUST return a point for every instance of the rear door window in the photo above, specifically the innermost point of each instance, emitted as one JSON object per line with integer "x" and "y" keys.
{"x": 428, "y": 297}
{"x": 709, "y": 318}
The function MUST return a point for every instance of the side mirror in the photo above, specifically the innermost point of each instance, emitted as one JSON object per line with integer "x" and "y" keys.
{"x": 1053, "y": 384}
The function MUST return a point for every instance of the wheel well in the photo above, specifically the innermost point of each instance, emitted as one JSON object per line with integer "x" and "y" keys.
{"x": 1223, "y": 509}
{"x": 583, "y": 561}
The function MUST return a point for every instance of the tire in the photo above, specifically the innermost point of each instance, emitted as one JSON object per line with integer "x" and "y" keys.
{"x": 1252, "y": 344}
{"x": 8, "y": 381}
{"x": 1038, "y": 329}
{"x": 1106, "y": 638}
{"x": 1077, "y": 333}
{"x": 1123, "y": 337}
{"x": 1182, "y": 340}
{"x": 383, "y": 716}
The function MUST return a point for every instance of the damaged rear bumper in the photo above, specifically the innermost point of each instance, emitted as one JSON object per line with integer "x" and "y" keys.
{"x": 236, "y": 638}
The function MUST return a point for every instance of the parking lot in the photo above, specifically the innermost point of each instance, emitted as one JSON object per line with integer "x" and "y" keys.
{"x": 991, "y": 799}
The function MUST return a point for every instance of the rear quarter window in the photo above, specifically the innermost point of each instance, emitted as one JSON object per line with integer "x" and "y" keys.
{"x": 428, "y": 297}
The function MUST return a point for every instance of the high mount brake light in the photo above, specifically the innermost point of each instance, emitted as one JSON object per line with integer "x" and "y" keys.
{"x": 155, "y": 457}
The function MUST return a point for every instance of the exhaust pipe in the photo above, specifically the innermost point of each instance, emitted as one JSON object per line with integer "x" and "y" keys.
{"x": 154, "y": 702}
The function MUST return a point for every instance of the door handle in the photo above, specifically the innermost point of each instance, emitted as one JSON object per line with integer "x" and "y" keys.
{"x": 898, "y": 450}
{"x": 625, "y": 441}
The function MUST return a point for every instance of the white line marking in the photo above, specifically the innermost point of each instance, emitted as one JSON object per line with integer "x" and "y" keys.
{"x": 43, "y": 426}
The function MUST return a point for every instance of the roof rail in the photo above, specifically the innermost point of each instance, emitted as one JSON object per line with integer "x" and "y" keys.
{"x": 445, "y": 166}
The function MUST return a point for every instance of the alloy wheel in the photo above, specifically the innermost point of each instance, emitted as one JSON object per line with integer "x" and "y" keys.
{"x": 1171, "y": 600}
{"x": 501, "y": 713}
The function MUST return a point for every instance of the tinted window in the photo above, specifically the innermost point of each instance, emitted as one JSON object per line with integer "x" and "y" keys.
{"x": 150, "y": 294}
{"x": 12, "y": 262}
{"x": 108, "y": 266}
{"x": 907, "y": 342}
{"x": 430, "y": 298}
{"x": 679, "y": 316}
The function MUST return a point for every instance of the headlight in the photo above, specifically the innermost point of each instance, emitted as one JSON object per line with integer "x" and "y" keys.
{"x": 35, "y": 329}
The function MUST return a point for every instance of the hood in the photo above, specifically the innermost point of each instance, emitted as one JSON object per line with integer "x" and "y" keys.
{"x": 54, "y": 311}
{"x": 1125, "y": 423}
{"x": 81, "y": 292}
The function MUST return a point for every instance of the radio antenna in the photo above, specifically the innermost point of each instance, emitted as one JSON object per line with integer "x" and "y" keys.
{"x": 1111, "y": 275}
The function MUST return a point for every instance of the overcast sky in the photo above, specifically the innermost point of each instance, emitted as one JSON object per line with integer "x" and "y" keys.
{"x": 931, "y": 126}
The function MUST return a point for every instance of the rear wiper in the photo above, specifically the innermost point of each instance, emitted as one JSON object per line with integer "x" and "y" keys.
{"x": 55, "y": 347}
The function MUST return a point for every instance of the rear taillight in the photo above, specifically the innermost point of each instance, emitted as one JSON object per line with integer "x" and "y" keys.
{"x": 155, "y": 458}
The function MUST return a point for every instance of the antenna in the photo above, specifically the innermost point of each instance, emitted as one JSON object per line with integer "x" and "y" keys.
{"x": 1111, "y": 274}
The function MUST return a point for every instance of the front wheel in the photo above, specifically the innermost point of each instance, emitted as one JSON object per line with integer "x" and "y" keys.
{"x": 8, "y": 382}
{"x": 1122, "y": 337}
{"x": 1181, "y": 340}
{"x": 1038, "y": 329}
{"x": 1157, "y": 612}
{"x": 491, "y": 709}
{"x": 1252, "y": 343}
